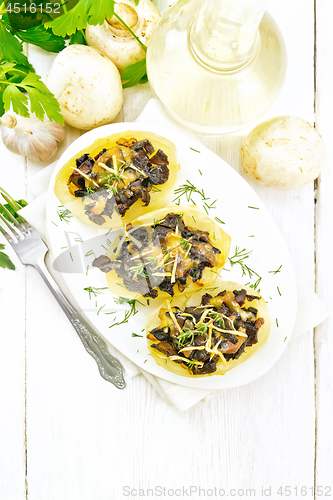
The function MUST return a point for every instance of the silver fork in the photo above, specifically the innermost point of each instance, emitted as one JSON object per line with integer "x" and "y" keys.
{"x": 31, "y": 250}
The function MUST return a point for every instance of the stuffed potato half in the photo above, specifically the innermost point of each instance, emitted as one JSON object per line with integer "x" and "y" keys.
{"x": 118, "y": 178}
{"x": 165, "y": 253}
{"x": 208, "y": 333}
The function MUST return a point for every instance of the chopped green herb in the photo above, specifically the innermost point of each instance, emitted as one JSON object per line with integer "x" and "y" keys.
{"x": 254, "y": 208}
{"x": 195, "y": 150}
{"x": 185, "y": 244}
{"x": 65, "y": 215}
{"x": 219, "y": 220}
{"x": 277, "y": 323}
{"x": 278, "y": 289}
{"x": 139, "y": 270}
{"x": 199, "y": 171}
{"x": 78, "y": 238}
{"x": 5, "y": 261}
{"x": 187, "y": 190}
{"x": 94, "y": 291}
{"x": 99, "y": 310}
{"x": 136, "y": 335}
{"x": 239, "y": 258}
{"x": 277, "y": 271}
{"x": 132, "y": 312}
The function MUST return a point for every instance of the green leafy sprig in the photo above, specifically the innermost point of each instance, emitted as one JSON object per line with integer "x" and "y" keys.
{"x": 5, "y": 261}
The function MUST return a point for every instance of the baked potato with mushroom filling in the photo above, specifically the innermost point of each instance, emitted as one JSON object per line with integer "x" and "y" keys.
{"x": 112, "y": 181}
{"x": 208, "y": 333}
{"x": 165, "y": 253}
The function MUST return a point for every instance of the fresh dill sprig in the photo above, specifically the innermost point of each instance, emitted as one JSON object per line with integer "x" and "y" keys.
{"x": 191, "y": 364}
{"x": 185, "y": 244}
{"x": 136, "y": 335}
{"x": 187, "y": 190}
{"x": 99, "y": 310}
{"x": 277, "y": 271}
{"x": 77, "y": 238}
{"x": 139, "y": 270}
{"x": 131, "y": 312}
{"x": 202, "y": 329}
{"x": 185, "y": 337}
{"x": 90, "y": 253}
{"x": 217, "y": 318}
{"x": 94, "y": 291}
{"x": 211, "y": 205}
{"x": 255, "y": 285}
{"x": 239, "y": 258}
{"x": 195, "y": 150}
{"x": 219, "y": 220}
{"x": 153, "y": 261}
{"x": 278, "y": 289}
{"x": 65, "y": 215}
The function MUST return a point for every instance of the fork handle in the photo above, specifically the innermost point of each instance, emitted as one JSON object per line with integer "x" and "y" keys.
{"x": 109, "y": 367}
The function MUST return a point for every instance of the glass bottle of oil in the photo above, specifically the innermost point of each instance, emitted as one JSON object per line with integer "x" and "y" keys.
{"x": 217, "y": 65}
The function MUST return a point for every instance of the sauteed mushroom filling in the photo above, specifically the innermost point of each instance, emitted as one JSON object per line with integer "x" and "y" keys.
{"x": 164, "y": 255}
{"x": 216, "y": 331}
{"x": 118, "y": 177}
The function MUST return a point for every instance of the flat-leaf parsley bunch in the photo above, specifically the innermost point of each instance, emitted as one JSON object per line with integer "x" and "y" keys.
{"x": 39, "y": 26}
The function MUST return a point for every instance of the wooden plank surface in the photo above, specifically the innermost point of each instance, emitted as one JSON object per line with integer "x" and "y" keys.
{"x": 12, "y": 352}
{"x": 324, "y": 242}
{"x": 88, "y": 440}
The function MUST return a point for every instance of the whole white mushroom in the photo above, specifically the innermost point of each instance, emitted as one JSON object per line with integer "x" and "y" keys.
{"x": 284, "y": 153}
{"x": 115, "y": 41}
{"x": 87, "y": 85}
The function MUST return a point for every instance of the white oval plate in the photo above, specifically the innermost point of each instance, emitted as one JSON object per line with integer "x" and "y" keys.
{"x": 246, "y": 220}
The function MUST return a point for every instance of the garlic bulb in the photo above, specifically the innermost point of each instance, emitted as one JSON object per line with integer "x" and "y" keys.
{"x": 31, "y": 137}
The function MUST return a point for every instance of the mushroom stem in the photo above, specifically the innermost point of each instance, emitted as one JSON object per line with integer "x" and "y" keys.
{"x": 8, "y": 121}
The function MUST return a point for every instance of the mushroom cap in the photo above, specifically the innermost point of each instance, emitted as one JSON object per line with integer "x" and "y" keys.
{"x": 115, "y": 41}
{"x": 87, "y": 85}
{"x": 284, "y": 152}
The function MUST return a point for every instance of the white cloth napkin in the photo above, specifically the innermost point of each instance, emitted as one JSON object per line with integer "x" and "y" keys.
{"x": 311, "y": 311}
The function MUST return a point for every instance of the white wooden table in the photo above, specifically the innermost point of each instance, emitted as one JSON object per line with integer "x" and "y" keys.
{"x": 66, "y": 434}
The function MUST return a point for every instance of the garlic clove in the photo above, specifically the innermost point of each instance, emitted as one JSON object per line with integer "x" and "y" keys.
{"x": 31, "y": 137}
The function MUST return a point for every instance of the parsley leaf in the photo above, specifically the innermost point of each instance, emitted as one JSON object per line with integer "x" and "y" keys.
{"x": 79, "y": 38}
{"x": 12, "y": 96}
{"x": 134, "y": 74}
{"x": 43, "y": 38}
{"x": 5, "y": 260}
{"x": 11, "y": 47}
{"x": 14, "y": 80}
{"x": 85, "y": 12}
{"x": 21, "y": 203}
